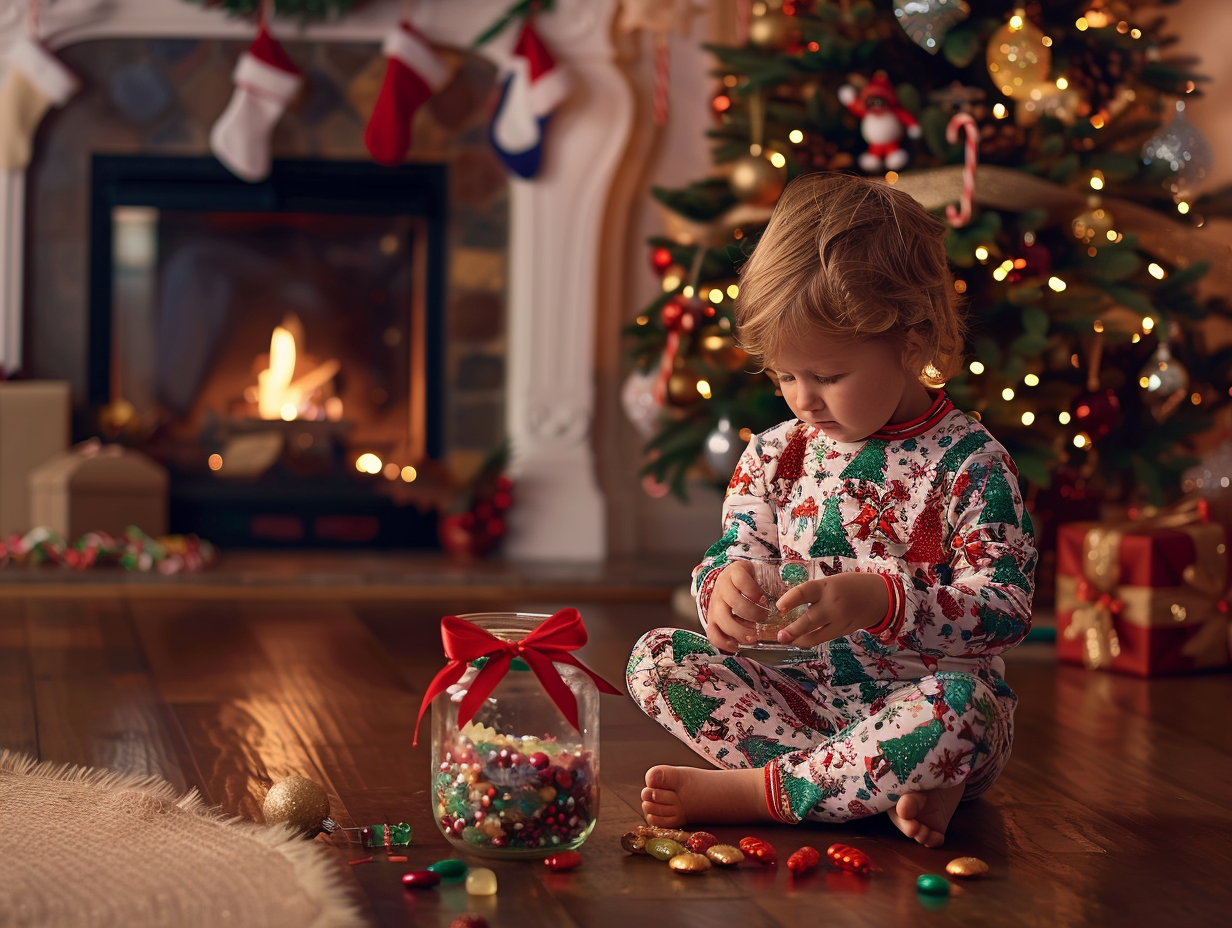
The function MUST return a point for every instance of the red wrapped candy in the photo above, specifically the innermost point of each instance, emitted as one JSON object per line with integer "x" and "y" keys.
{"x": 806, "y": 858}
{"x": 850, "y": 859}
{"x": 563, "y": 860}
{"x": 761, "y": 851}
{"x": 701, "y": 841}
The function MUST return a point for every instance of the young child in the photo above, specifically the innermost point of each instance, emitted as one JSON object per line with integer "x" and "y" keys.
{"x": 914, "y": 514}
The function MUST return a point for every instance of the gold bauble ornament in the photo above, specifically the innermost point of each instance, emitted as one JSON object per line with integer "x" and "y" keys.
{"x": 682, "y": 387}
{"x": 1017, "y": 57}
{"x": 1092, "y": 226}
{"x": 773, "y": 30}
{"x": 298, "y": 802}
{"x": 755, "y": 180}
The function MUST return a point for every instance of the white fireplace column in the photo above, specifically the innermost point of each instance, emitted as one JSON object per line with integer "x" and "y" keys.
{"x": 555, "y": 228}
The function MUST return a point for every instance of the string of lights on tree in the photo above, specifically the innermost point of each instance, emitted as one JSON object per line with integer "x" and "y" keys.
{"x": 1079, "y": 262}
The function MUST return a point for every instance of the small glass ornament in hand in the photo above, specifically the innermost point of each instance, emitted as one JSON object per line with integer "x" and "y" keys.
{"x": 517, "y": 780}
{"x": 775, "y": 576}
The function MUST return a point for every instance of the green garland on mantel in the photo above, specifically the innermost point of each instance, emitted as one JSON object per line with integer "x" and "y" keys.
{"x": 301, "y": 9}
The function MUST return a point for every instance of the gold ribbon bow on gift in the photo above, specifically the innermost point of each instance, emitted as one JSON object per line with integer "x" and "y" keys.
{"x": 1102, "y": 603}
{"x": 1093, "y": 621}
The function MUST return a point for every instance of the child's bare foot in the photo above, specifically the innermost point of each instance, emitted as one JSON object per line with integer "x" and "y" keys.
{"x": 675, "y": 796}
{"x": 924, "y": 816}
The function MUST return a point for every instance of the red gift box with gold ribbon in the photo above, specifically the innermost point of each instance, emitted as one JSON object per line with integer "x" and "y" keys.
{"x": 1146, "y": 597}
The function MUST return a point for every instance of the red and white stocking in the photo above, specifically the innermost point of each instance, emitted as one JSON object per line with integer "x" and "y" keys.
{"x": 266, "y": 80}
{"x": 36, "y": 81}
{"x": 413, "y": 74}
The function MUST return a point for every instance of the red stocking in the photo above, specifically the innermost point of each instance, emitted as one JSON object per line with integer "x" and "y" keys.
{"x": 414, "y": 73}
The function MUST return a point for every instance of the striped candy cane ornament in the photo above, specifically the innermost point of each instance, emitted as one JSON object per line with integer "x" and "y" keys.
{"x": 962, "y": 215}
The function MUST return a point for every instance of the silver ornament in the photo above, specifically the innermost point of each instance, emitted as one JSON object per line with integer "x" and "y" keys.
{"x": 1183, "y": 150}
{"x": 1163, "y": 375}
{"x": 638, "y": 401}
{"x": 927, "y": 21}
{"x": 722, "y": 449}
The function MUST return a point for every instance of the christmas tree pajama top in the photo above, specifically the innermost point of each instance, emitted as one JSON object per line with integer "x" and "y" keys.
{"x": 917, "y": 702}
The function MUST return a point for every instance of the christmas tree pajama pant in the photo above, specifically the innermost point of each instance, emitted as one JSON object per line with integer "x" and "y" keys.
{"x": 834, "y": 752}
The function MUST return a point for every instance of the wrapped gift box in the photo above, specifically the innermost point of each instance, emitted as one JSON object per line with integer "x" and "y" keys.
{"x": 34, "y": 425}
{"x": 1142, "y": 598}
{"x": 99, "y": 488}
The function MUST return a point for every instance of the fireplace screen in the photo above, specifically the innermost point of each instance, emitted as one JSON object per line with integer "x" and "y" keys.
{"x": 274, "y": 345}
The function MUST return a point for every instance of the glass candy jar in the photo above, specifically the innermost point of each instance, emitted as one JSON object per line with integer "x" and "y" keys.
{"x": 517, "y": 780}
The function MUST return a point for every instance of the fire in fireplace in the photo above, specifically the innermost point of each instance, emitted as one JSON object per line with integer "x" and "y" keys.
{"x": 276, "y": 345}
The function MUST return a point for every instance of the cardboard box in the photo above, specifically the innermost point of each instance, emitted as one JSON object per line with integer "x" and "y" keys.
{"x": 34, "y": 426}
{"x": 99, "y": 488}
{"x": 1142, "y": 599}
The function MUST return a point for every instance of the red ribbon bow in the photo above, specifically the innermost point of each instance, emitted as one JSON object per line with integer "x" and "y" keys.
{"x": 550, "y": 643}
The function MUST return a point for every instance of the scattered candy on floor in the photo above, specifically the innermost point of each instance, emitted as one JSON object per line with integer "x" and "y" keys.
{"x": 849, "y": 858}
{"x": 468, "y": 920}
{"x": 481, "y": 882}
{"x": 633, "y": 843}
{"x": 969, "y": 868}
{"x": 761, "y": 851}
{"x": 663, "y": 848}
{"x": 806, "y": 858}
{"x": 932, "y": 884}
{"x": 688, "y": 862}
{"x": 725, "y": 855}
{"x": 563, "y": 860}
{"x": 450, "y": 869}
{"x": 421, "y": 879}
{"x": 699, "y": 841}
{"x": 362, "y": 860}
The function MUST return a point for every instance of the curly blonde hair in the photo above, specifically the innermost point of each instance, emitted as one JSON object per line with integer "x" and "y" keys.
{"x": 855, "y": 258}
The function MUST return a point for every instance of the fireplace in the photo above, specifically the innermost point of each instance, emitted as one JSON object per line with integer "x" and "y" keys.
{"x": 525, "y": 307}
{"x": 276, "y": 346}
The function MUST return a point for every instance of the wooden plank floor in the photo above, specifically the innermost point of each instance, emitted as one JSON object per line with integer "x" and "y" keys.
{"x": 1116, "y": 807}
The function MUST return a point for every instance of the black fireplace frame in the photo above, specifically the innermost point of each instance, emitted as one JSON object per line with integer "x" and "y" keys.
{"x": 419, "y": 191}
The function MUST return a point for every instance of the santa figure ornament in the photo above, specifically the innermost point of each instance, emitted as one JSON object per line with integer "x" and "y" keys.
{"x": 882, "y": 123}
{"x": 532, "y": 86}
{"x": 266, "y": 80}
{"x": 413, "y": 74}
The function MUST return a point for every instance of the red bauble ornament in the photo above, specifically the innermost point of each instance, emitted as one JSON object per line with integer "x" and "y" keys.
{"x": 1097, "y": 413}
{"x": 661, "y": 259}
{"x": 679, "y": 315}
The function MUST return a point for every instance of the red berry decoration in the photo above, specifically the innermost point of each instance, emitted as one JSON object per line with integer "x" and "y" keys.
{"x": 661, "y": 258}
{"x": 850, "y": 859}
{"x": 761, "y": 851}
{"x": 701, "y": 841}
{"x": 806, "y": 858}
{"x": 563, "y": 860}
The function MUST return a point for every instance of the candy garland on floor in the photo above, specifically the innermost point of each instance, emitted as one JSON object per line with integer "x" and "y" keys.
{"x": 134, "y": 550}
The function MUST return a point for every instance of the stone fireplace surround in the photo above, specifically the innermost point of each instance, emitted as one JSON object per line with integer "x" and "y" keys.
{"x": 555, "y": 225}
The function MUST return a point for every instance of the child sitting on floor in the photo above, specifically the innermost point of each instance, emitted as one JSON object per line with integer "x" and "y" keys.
{"x": 912, "y": 511}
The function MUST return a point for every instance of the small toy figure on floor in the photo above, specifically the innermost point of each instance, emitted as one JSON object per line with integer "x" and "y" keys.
{"x": 912, "y": 515}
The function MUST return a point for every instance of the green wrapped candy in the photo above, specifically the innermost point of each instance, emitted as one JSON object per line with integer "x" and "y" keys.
{"x": 449, "y": 870}
{"x": 932, "y": 884}
{"x": 664, "y": 848}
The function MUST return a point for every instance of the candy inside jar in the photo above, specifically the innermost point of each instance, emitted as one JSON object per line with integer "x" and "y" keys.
{"x": 518, "y": 779}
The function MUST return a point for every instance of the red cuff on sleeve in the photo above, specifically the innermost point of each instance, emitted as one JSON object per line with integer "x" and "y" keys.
{"x": 887, "y": 628}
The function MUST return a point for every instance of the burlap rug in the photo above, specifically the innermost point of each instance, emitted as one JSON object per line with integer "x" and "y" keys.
{"x": 87, "y": 848}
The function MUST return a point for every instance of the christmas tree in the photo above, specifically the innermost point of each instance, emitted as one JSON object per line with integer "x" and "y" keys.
{"x": 1076, "y": 244}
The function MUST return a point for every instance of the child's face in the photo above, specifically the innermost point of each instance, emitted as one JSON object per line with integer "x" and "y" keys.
{"x": 850, "y": 388}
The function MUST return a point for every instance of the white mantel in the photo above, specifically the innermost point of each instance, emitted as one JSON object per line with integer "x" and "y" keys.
{"x": 555, "y": 227}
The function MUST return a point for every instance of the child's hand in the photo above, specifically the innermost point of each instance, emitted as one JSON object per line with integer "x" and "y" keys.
{"x": 735, "y": 603}
{"x": 839, "y": 606}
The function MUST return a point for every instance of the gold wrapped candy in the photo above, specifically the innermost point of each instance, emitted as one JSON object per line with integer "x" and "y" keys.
{"x": 968, "y": 868}
{"x": 633, "y": 843}
{"x": 689, "y": 862}
{"x": 725, "y": 855}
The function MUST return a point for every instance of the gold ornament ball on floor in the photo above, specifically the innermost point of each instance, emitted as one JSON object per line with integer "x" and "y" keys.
{"x": 756, "y": 181}
{"x": 299, "y": 803}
